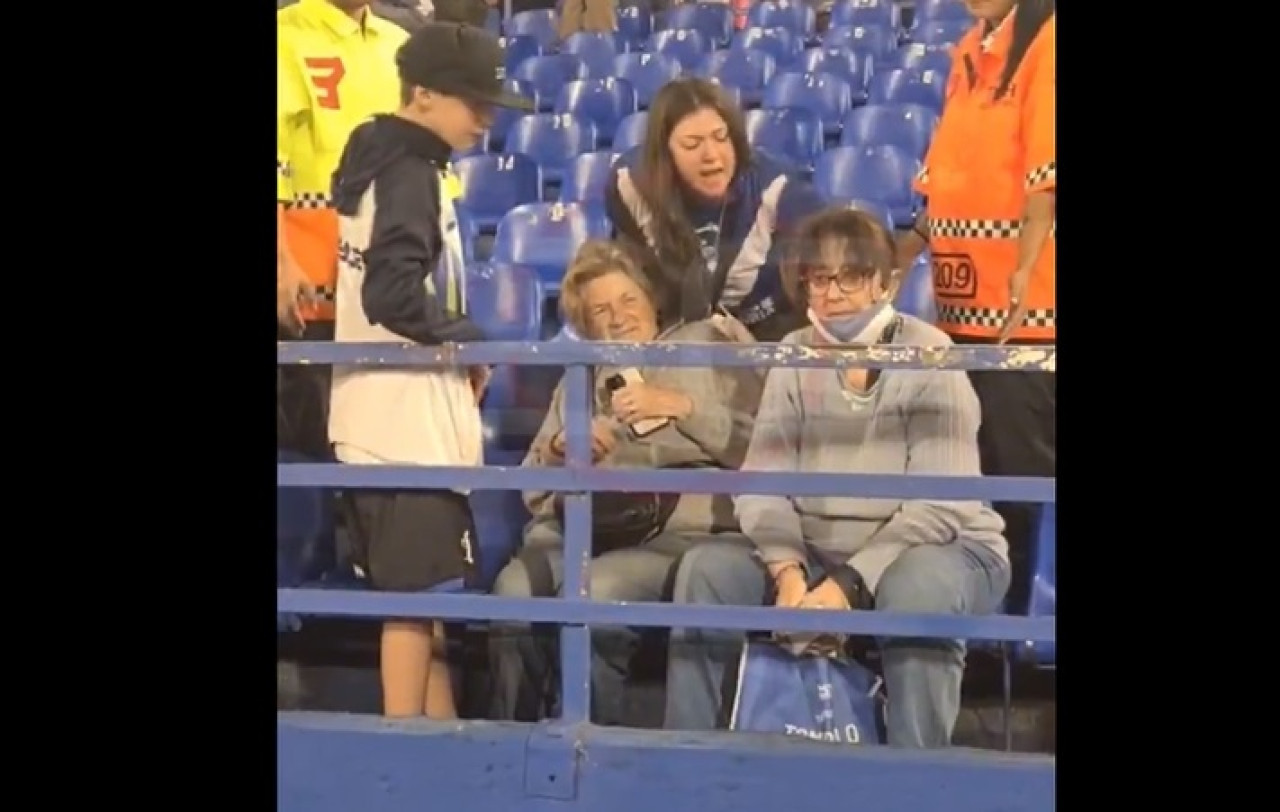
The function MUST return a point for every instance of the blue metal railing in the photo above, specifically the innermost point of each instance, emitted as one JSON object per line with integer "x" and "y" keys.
{"x": 578, "y": 479}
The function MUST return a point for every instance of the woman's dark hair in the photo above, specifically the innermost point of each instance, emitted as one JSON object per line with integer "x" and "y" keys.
{"x": 868, "y": 247}
{"x": 1030, "y": 17}
{"x": 675, "y": 243}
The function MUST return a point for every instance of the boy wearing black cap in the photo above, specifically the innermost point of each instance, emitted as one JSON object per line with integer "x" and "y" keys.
{"x": 400, "y": 277}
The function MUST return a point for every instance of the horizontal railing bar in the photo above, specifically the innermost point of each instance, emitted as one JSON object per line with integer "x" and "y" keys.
{"x": 665, "y": 480}
{"x": 344, "y": 603}
{"x": 564, "y": 353}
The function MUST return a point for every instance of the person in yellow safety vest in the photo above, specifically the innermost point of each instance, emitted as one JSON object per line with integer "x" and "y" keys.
{"x": 335, "y": 67}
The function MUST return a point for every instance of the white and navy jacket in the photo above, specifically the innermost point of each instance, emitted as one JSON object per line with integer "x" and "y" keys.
{"x": 400, "y": 278}
{"x": 739, "y": 238}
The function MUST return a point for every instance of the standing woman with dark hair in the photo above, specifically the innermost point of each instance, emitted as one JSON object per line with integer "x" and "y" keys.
{"x": 991, "y": 178}
{"x": 709, "y": 210}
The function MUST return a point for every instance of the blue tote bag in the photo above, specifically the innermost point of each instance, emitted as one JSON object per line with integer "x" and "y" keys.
{"x": 814, "y": 696}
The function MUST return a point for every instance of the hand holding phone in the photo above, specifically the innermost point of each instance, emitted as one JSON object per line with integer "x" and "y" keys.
{"x": 643, "y": 407}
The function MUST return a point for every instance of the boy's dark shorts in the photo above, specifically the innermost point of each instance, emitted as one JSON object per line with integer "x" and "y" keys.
{"x": 412, "y": 541}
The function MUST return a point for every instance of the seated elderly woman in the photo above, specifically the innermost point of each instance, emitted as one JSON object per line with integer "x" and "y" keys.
{"x": 661, "y": 418}
{"x": 842, "y": 552}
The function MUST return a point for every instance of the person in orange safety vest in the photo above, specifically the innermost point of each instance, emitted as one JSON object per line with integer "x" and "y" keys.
{"x": 990, "y": 179}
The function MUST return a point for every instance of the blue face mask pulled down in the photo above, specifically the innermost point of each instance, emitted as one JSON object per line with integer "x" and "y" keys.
{"x": 863, "y": 327}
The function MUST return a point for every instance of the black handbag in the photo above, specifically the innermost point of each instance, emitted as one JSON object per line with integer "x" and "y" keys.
{"x": 622, "y": 520}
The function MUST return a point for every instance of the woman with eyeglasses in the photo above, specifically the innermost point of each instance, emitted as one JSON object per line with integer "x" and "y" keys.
{"x": 851, "y": 552}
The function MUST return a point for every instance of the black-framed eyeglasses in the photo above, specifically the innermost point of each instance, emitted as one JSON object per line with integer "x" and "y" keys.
{"x": 848, "y": 280}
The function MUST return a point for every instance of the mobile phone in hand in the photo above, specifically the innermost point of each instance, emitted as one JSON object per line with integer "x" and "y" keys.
{"x": 640, "y": 428}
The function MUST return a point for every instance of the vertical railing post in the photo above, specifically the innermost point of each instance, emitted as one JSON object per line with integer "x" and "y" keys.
{"x": 575, "y": 639}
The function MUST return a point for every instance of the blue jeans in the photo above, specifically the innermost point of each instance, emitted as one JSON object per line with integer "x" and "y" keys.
{"x": 521, "y": 661}
{"x": 922, "y": 677}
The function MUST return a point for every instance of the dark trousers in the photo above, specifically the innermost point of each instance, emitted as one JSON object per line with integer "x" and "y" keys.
{"x": 1017, "y": 438}
{"x": 302, "y": 399}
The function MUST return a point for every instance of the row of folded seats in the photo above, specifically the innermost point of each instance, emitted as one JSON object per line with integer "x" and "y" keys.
{"x": 929, "y": 21}
{"x": 542, "y": 237}
{"x": 856, "y": 111}
{"x": 603, "y": 111}
{"x": 555, "y": 171}
{"x": 690, "y": 33}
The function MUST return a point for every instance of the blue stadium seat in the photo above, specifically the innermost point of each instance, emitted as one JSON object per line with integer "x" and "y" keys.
{"x": 793, "y": 134}
{"x": 938, "y": 32}
{"x": 881, "y": 174}
{"x": 494, "y": 184}
{"x": 849, "y": 65}
{"x": 713, "y": 20}
{"x": 826, "y": 95}
{"x": 876, "y": 210}
{"x": 796, "y": 17}
{"x": 916, "y": 294}
{"x": 918, "y": 56}
{"x": 926, "y": 88}
{"x": 595, "y": 50}
{"x": 685, "y": 45}
{"x": 733, "y": 94}
{"x": 505, "y": 301}
{"x": 566, "y": 333}
{"x": 927, "y": 10}
{"x": 585, "y": 178}
{"x": 635, "y": 24}
{"x": 519, "y": 48}
{"x": 306, "y": 546}
{"x": 504, "y": 117}
{"x": 500, "y": 518}
{"x": 877, "y": 41}
{"x": 882, "y": 13}
{"x": 547, "y": 74}
{"x": 603, "y": 102}
{"x": 551, "y": 141}
{"x": 545, "y": 236}
{"x": 647, "y": 73}
{"x": 630, "y": 132}
{"x": 468, "y": 231}
{"x": 748, "y": 69}
{"x": 537, "y": 23}
{"x": 508, "y": 302}
{"x": 1044, "y": 586}
{"x": 784, "y": 46}
{"x": 908, "y": 126}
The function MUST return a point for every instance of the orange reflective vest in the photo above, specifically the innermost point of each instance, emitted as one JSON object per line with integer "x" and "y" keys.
{"x": 985, "y": 158}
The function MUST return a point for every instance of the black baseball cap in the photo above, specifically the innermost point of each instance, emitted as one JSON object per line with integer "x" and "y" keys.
{"x": 458, "y": 60}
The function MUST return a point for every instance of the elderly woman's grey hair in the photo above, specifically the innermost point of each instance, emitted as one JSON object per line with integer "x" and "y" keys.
{"x": 596, "y": 259}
